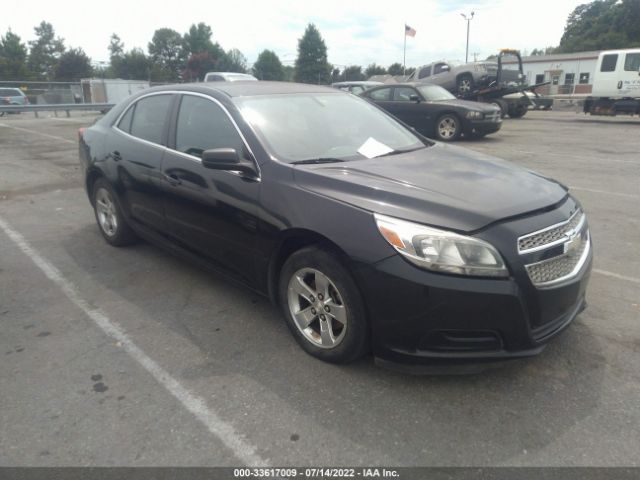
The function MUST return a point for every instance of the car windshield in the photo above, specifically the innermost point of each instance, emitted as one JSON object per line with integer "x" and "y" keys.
{"x": 434, "y": 93}
{"x": 307, "y": 126}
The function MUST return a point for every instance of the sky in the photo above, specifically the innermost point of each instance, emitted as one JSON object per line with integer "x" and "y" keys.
{"x": 356, "y": 33}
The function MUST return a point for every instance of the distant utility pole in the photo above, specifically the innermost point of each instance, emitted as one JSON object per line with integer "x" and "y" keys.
{"x": 468, "y": 19}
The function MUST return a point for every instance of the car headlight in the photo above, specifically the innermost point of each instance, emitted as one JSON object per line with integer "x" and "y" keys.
{"x": 441, "y": 251}
{"x": 475, "y": 115}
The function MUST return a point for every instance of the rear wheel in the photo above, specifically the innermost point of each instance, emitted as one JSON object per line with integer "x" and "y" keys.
{"x": 322, "y": 306}
{"x": 465, "y": 84}
{"x": 517, "y": 111}
{"x": 111, "y": 222}
{"x": 448, "y": 127}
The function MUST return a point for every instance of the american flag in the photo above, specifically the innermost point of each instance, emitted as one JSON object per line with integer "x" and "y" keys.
{"x": 408, "y": 31}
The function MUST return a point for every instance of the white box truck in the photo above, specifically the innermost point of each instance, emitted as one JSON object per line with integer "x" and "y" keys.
{"x": 616, "y": 84}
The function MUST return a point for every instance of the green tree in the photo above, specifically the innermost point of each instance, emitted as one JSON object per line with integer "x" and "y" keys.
{"x": 336, "y": 75}
{"x": 232, "y": 61}
{"x": 73, "y": 65}
{"x": 167, "y": 54}
{"x": 311, "y": 63}
{"x": 289, "y": 73}
{"x": 268, "y": 66}
{"x": 116, "y": 47}
{"x": 602, "y": 25}
{"x": 134, "y": 65}
{"x": 13, "y": 57}
{"x": 353, "y": 73}
{"x": 374, "y": 69}
{"x": 198, "y": 64}
{"x": 198, "y": 40}
{"x": 45, "y": 51}
{"x": 395, "y": 69}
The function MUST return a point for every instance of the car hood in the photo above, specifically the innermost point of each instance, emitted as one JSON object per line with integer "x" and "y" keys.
{"x": 442, "y": 186}
{"x": 486, "y": 108}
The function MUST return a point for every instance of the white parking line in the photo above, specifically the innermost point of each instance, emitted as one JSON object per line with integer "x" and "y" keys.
{"x": 615, "y": 275}
{"x": 615, "y": 194}
{"x": 55, "y": 137}
{"x": 223, "y": 430}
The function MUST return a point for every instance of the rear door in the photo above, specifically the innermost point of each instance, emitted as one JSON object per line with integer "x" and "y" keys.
{"x": 135, "y": 150}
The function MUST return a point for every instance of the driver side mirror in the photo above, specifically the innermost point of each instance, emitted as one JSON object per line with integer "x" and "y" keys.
{"x": 445, "y": 68}
{"x": 226, "y": 159}
{"x": 414, "y": 98}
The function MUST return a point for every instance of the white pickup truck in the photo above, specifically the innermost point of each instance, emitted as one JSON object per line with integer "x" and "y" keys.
{"x": 616, "y": 84}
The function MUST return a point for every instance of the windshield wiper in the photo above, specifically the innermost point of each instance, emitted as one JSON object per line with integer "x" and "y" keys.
{"x": 312, "y": 161}
{"x": 397, "y": 152}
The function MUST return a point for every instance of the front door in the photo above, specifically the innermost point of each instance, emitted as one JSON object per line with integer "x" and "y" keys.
{"x": 212, "y": 212}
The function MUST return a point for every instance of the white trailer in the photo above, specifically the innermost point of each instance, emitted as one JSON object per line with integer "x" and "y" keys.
{"x": 110, "y": 90}
{"x": 616, "y": 84}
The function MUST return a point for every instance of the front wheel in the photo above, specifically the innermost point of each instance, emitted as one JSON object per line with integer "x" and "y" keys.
{"x": 322, "y": 306}
{"x": 517, "y": 111}
{"x": 448, "y": 128}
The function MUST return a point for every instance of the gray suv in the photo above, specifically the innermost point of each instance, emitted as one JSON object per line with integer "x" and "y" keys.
{"x": 457, "y": 78}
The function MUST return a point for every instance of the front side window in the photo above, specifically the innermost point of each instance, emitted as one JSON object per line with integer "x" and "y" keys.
{"x": 609, "y": 63}
{"x": 403, "y": 94}
{"x": 203, "y": 125}
{"x": 149, "y": 118}
{"x": 440, "y": 67}
{"x": 632, "y": 62}
{"x": 381, "y": 94}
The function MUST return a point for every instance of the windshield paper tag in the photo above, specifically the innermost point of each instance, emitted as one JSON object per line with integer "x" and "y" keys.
{"x": 373, "y": 148}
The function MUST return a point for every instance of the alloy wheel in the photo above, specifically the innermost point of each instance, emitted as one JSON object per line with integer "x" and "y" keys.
{"x": 317, "y": 308}
{"x": 106, "y": 210}
{"x": 447, "y": 128}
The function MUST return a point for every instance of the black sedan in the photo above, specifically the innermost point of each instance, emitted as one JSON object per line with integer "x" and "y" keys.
{"x": 368, "y": 236}
{"x": 434, "y": 112}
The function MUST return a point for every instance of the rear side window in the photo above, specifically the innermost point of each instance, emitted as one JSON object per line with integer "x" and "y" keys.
{"x": 149, "y": 118}
{"x": 425, "y": 72}
{"x": 125, "y": 121}
{"x": 381, "y": 94}
{"x": 10, "y": 92}
{"x": 609, "y": 63}
{"x": 632, "y": 62}
{"x": 203, "y": 125}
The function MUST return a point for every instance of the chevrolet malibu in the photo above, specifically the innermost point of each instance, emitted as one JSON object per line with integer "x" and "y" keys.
{"x": 368, "y": 236}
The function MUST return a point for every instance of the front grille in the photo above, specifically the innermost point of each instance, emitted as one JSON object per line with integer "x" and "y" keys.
{"x": 562, "y": 267}
{"x": 552, "y": 235}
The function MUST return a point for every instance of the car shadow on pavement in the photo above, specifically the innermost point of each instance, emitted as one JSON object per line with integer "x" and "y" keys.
{"x": 499, "y": 416}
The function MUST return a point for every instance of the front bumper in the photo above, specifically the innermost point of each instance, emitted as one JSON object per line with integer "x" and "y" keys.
{"x": 482, "y": 126}
{"x": 419, "y": 318}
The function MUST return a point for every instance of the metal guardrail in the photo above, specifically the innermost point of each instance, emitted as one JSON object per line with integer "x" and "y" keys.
{"x": 60, "y": 107}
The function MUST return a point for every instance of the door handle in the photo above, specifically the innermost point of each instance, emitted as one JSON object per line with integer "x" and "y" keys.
{"x": 116, "y": 156}
{"x": 172, "y": 179}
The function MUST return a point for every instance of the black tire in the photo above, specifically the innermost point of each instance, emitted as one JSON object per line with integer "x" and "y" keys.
{"x": 448, "y": 127}
{"x": 112, "y": 225}
{"x": 342, "y": 297}
{"x": 517, "y": 111}
{"x": 465, "y": 84}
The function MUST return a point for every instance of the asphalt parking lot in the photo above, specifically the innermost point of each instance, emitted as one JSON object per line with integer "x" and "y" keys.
{"x": 132, "y": 357}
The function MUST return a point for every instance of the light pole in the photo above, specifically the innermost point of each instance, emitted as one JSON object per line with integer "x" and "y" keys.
{"x": 468, "y": 19}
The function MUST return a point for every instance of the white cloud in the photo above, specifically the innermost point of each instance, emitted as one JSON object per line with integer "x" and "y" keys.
{"x": 355, "y": 32}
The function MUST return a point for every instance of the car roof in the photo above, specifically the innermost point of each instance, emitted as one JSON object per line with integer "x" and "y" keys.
{"x": 248, "y": 88}
{"x": 355, "y": 83}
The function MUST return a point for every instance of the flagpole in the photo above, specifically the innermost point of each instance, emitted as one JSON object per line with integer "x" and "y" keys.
{"x": 404, "y": 54}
